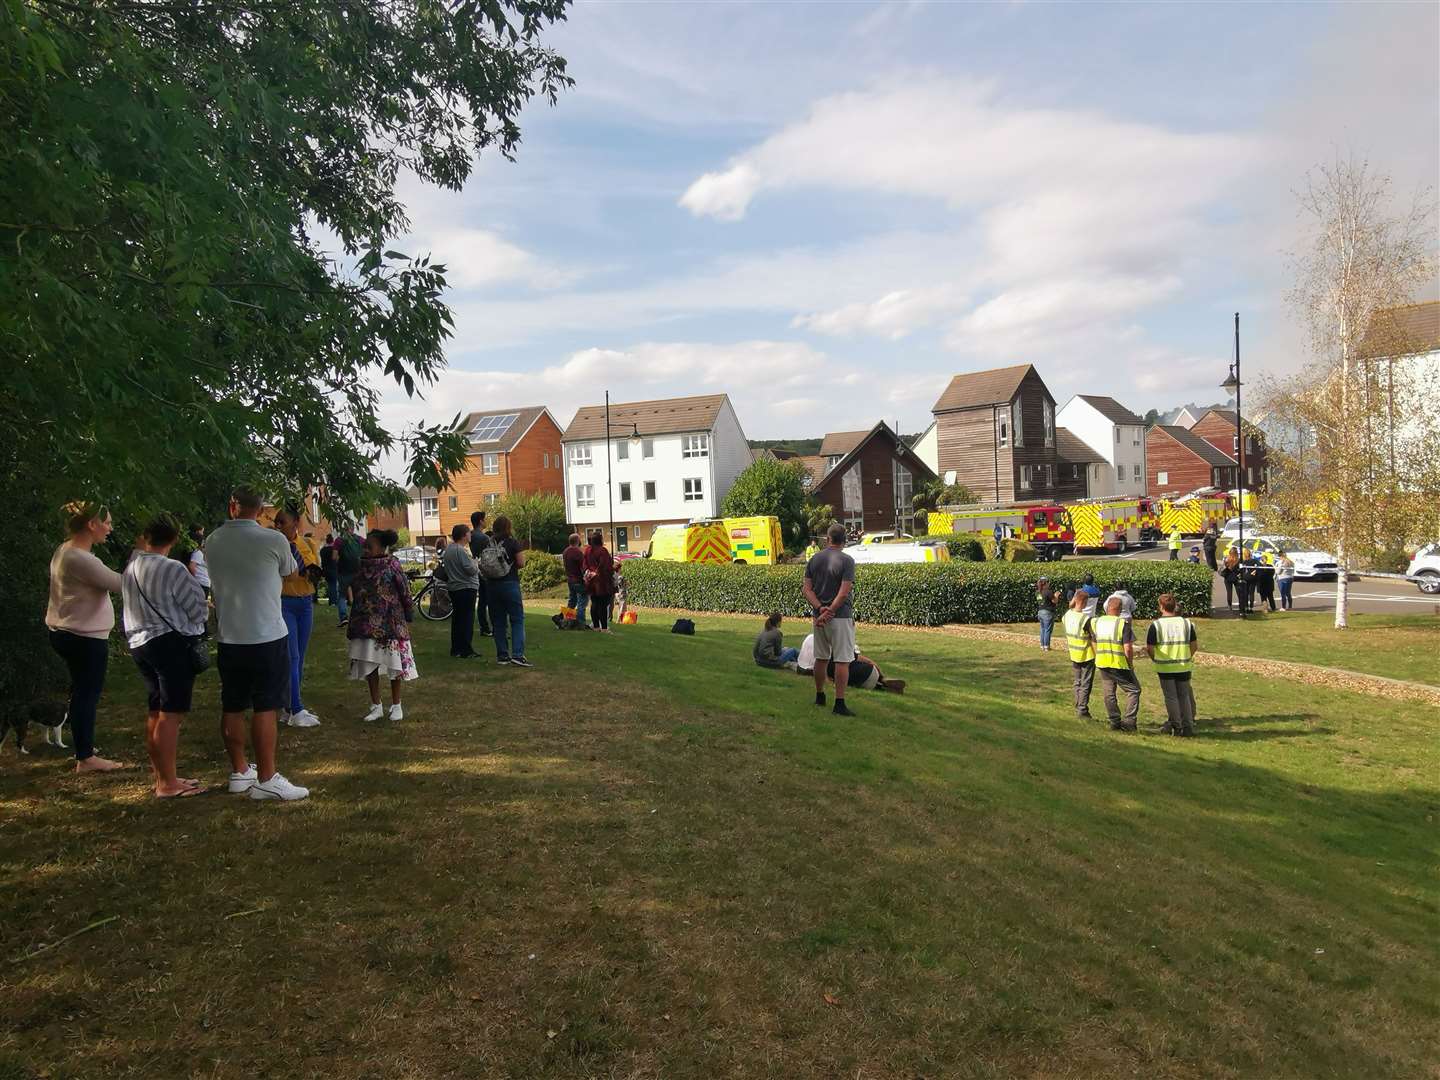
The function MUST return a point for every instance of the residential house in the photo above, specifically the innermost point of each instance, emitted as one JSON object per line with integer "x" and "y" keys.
{"x": 670, "y": 462}
{"x": 927, "y": 446}
{"x": 510, "y": 450}
{"x": 1079, "y": 466}
{"x": 1117, "y": 435}
{"x": 1178, "y": 460}
{"x": 1217, "y": 427}
{"x": 1402, "y": 353}
{"x": 870, "y": 479}
{"x": 1185, "y": 416}
{"x": 996, "y": 433}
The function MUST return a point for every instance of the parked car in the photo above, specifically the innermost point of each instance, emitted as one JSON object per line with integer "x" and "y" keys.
{"x": 413, "y": 554}
{"x": 1425, "y": 569}
{"x": 1252, "y": 526}
{"x": 887, "y": 538}
{"x": 1309, "y": 563}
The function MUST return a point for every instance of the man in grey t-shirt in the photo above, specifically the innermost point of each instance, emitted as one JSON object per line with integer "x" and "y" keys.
{"x": 829, "y": 580}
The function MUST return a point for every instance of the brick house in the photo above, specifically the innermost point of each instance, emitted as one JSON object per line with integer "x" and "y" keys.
{"x": 1179, "y": 461}
{"x": 510, "y": 450}
{"x": 870, "y": 479}
{"x": 1217, "y": 427}
{"x": 995, "y": 432}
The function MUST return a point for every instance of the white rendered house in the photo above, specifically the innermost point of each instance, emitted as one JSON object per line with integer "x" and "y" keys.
{"x": 1117, "y": 435}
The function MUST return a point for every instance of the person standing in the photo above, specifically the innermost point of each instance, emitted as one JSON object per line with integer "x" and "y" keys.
{"x": 247, "y": 564}
{"x": 1285, "y": 579}
{"x": 1080, "y": 640}
{"x": 1208, "y": 543}
{"x": 573, "y": 559}
{"x": 1092, "y": 595}
{"x": 297, "y": 606}
{"x": 829, "y": 582}
{"x": 1127, "y": 602}
{"x": 1230, "y": 575}
{"x": 1262, "y": 588}
{"x": 500, "y": 564}
{"x": 1175, "y": 544}
{"x": 619, "y": 598}
{"x": 479, "y": 541}
{"x": 80, "y": 617}
{"x": 1045, "y": 600}
{"x": 1171, "y": 643}
{"x": 327, "y": 567}
{"x": 347, "y": 565}
{"x": 1115, "y": 662}
{"x": 165, "y": 608}
{"x": 381, "y": 611}
{"x": 462, "y": 581}
{"x": 196, "y": 562}
{"x": 1244, "y": 582}
{"x": 599, "y": 567}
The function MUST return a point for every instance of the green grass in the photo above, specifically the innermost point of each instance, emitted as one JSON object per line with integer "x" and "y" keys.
{"x": 1396, "y": 646}
{"x": 648, "y": 858}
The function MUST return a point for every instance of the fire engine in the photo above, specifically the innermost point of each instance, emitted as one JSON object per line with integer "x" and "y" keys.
{"x": 1113, "y": 524}
{"x": 1194, "y": 512}
{"x": 1043, "y": 525}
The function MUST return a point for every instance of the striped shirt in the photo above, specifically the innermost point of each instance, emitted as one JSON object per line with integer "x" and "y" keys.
{"x": 172, "y": 593}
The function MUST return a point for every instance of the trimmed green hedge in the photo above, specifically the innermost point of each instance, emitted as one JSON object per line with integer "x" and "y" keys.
{"x": 540, "y": 572}
{"x": 966, "y": 549}
{"x": 912, "y": 594}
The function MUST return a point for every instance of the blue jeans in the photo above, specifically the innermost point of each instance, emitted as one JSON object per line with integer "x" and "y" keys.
{"x": 789, "y": 655}
{"x": 1286, "y": 584}
{"x": 1047, "y": 623}
{"x": 332, "y": 586}
{"x": 299, "y": 614}
{"x": 578, "y": 599}
{"x": 507, "y": 618}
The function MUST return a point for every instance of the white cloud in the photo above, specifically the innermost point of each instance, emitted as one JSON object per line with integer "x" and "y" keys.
{"x": 893, "y": 316}
{"x": 475, "y": 258}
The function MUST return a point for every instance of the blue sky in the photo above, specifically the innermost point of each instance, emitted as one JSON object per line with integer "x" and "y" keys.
{"x": 827, "y": 209}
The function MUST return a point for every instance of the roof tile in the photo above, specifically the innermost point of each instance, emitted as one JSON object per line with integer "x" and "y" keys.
{"x": 670, "y": 416}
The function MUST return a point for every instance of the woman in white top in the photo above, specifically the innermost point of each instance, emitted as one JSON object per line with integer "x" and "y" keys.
{"x": 164, "y": 608}
{"x": 80, "y": 617}
{"x": 197, "y": 558}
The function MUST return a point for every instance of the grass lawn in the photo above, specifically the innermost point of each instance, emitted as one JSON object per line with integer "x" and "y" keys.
{"x": 1397, "y": 646}
{"x": 649, "y": 858}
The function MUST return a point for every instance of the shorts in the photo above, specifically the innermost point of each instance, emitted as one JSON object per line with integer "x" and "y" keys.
{"x": 164, "y": 664}
{"x": 835, "y": 640}
{"x": 255, "y": 677}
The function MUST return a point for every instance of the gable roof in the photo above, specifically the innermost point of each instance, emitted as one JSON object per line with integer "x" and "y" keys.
{"x": 1111, "y": 409}
{"x": 670, "y": 416}
{"x": 1403, "y": 331}
{"x": 525, "y": 418}
{"x": 815, "y": 466}
{"x": 1073, "y": 450}
{"x": 840, "y": 443}
{"x": 865, "y": 437}
{"x": 1196, "y": 445}
{"x": 993, "y": 387}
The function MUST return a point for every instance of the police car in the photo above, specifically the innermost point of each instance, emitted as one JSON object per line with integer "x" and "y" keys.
{"x": 1309, "y": 563}
{"x": 1425, "y": 569}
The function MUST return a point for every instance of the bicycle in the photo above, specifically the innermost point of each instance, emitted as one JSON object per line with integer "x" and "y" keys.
{"x": 433, "y": 599}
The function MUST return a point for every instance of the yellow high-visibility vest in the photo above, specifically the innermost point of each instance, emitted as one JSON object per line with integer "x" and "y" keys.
{"x": 1082, "y": 649}
{"x": 1110, "y": 642}
{"x": 1173, "y": 651}
{"x": 1175, "y": 540}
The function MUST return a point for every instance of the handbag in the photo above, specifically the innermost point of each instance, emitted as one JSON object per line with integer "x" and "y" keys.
{"x": 198, "y": 649}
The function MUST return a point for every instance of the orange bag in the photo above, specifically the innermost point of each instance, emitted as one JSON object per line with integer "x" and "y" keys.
{"x": 567, "y": 613}
{"x": 629, "y": 617}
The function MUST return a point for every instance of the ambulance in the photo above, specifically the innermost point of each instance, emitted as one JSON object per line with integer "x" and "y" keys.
{"x": 1113, "y": 524}
{"x": 1043, "y": 525}
{"x": 755, "y": 540}
{"x": 932, "y": 550}
{"x": 1195, "y": 512}
{"x": 752, "y": 540}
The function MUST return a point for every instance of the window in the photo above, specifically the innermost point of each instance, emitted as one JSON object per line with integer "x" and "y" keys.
{"x": 1120, "y": 472}
{"x": 584, "y": 494}
{"x": 1027, "y": 477}
{"x": 1002, "y": 430}
{"x": 430, "y": 506}
{"x": 904, "y": 490}
{"x": 454, "y": 502}
{"x": 622, "y": 451}
{"x": 492, "y": 498}
{"x": 624, "y": 492}
{"x": 639, "y": 532}
{"x": 647, "y": 448}
{"x": 490, "y": 464}
{"x": 1135, "y": 434}
{"x": 649, "y": 490}
{"x": 580, "y": 454}
{"x": 1017, "y": 424}
{"x": 694, "y": 489}
{"x": 694, "y": 446}
{"x": 491, "y": 428}
{"x": 1049, "y": 422}
{"x": 546, "y": 463}
{"x": 1162, "y": 478}
{"x": 1074, "y": 472}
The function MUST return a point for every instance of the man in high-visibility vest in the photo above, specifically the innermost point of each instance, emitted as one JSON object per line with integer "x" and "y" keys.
{"x": 1081, "y": 642}
{"x": 1171, "y": 644}
{"x": 1175, "y": 544}
{"x": 1115, "y": 661}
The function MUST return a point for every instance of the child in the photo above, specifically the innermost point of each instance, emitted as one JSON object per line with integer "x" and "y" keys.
{"x": 622, "y": 604}
{"x": 379, "y": 630}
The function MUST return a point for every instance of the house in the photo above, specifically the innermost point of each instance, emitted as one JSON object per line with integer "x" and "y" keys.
{"x": 1185, "y": 417}
{"x": 1079, "y": 468}
{"x": 510, "y": 450}
{"x": 1117, "y": 435}
{"x": 1217, "y": 427}
{"x": 815, "y": 469}
{"x": 1401, "y": 351}
{"x": 1178, "y": 460}
{"x": 870, "y": 479}
{"x": 927, "y": 446}
{"x": 996, "y": 433}
{"x": 669, "y": 462}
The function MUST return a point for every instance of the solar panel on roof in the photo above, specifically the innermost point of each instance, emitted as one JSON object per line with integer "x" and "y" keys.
{"x": 492, "y": 428}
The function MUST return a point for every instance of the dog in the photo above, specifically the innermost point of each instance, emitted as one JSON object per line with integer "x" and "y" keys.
{"x": 49, "y": 715}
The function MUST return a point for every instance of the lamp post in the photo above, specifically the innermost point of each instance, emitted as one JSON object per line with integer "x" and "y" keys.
{"x": 609, "y": 484}
{"x": 1231, "y": 385}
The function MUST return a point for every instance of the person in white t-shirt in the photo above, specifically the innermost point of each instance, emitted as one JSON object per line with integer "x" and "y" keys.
{"x": 196, "y": 562}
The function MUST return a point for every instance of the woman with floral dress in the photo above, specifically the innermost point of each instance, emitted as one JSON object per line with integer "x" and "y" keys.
{"x": 379, "y": 628}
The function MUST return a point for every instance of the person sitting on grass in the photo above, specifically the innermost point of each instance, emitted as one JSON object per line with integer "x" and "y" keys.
{"x": 864, "y": 672}
{"x": 379, "y": 630}
{"x": 769, "y": 650}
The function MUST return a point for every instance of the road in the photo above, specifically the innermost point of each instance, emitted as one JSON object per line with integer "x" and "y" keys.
{"x": 1371, "y": 596}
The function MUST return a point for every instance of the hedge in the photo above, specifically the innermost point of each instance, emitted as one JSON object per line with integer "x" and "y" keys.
{"x": 966, "y": 549}
{"x": 912, "y": 594}
{"x": 541, "y": 571}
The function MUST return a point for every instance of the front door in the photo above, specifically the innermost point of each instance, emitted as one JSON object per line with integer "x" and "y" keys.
{"x": 622, "y": 539}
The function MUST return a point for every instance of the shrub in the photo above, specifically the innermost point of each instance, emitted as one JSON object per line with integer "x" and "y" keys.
{"x": 540, "y": 572}
{"x": 966, "y": 548}
{"x": 537, "y": 519}
{"x": 1012, "y": 551}
{"x": 912, "y": 594}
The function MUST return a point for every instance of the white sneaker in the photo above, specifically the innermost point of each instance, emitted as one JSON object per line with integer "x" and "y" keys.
{"x": 241, "y": 782}
{"x": 375, "y": 713}
{"x": 397, "y": 713}
{"x": 277, "y": 787}
{"x": 284, "y": 716}
{"x": 303, "y": 718}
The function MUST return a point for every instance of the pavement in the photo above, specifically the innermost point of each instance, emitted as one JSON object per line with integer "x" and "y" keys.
{"x": 1368, "y": 596}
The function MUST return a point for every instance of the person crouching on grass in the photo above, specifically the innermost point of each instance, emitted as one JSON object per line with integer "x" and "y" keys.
{"x": 379, "y": 631}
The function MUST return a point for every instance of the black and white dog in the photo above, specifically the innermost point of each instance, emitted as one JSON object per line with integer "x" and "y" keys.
{"x": 49, "y": 715}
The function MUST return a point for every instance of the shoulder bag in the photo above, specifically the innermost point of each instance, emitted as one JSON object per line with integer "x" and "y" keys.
{"x": 199, "y": 650}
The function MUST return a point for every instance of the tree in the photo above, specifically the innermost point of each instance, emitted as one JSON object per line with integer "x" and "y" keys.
{"x": 1152, "y": 417}
{"x": 818, "y": 518}
{"x": 933, "y": 494}
{"x": 537, "y": 519}
{"x": 1359, "y": 261}
{"x": 769, "y": 487}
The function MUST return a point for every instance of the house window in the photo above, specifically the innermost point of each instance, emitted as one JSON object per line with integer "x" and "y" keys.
{"x": 649, "y": 490}
{"x": 1002, "y": 430}
{"x": 546, "y": 463}
{"x": 639, "y": 532}
{"x": 580, "y": 454}
{"x": 1074, "y": 472}
{"x": 833, "y": 460}
{"x": 622, "y": 451}
{"x": 492, "y": 498}
{"x": 1120, "y": 472}
{"x": 692, "y": 446}
{"x": 430, "y": 506}
{"x": 584, "y": 494}
{"x": 624, "y": 492}
{"x": 454, "y": 502}
{"x": 1135, "y": 436}
{"x": 1049, "y": 422}
{"x": 647, "y": 448}
{"x": 904, "y": 491}
{"x": 1162, "y": 478}
{"x": 694, "y": 489}
{"x": 490, "y": 464}
{"x": 1117, "y": 436}
{"x": 1027, "y": 477}
{"x": 1017, "y": 424}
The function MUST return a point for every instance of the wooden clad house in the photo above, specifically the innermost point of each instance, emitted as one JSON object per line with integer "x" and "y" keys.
{"x": 1079, "y": 464}
{"x": 870, "y": 479}
{"x": 1217, "y": 427}
{"x": 510, "y": 450}
{"x": 996, "y": 435}
{"x": 1181, "y": 461}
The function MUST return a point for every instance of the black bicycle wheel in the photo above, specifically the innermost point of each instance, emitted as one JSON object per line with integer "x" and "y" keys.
{"x": 434, "y": 603}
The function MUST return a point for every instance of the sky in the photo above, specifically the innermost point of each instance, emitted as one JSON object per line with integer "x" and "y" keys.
{"x": 826, "y": 210}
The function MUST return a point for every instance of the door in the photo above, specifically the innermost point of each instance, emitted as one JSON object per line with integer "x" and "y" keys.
{"x": 622, "y": 538}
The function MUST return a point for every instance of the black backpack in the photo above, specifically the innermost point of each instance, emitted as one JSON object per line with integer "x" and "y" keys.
{"x": 683, "y": 626}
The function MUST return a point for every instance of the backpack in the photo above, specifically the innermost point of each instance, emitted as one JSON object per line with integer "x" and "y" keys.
{"x": 683, "y": 626}
{"x": 494, "y": 563}
{"x": 348, "y": 560}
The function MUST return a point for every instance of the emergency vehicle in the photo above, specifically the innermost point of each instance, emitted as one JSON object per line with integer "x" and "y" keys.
{"x": 1043, "y": 525}
{"x": 1194, "y": 512}
{"x": 932, "y": 550}
{"x": 754, "y": 540}
{"x": 1113, "y": 524}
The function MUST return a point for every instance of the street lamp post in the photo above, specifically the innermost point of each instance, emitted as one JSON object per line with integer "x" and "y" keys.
{"x": 635, "y": 438}
{"x": 1231, "y": 385}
